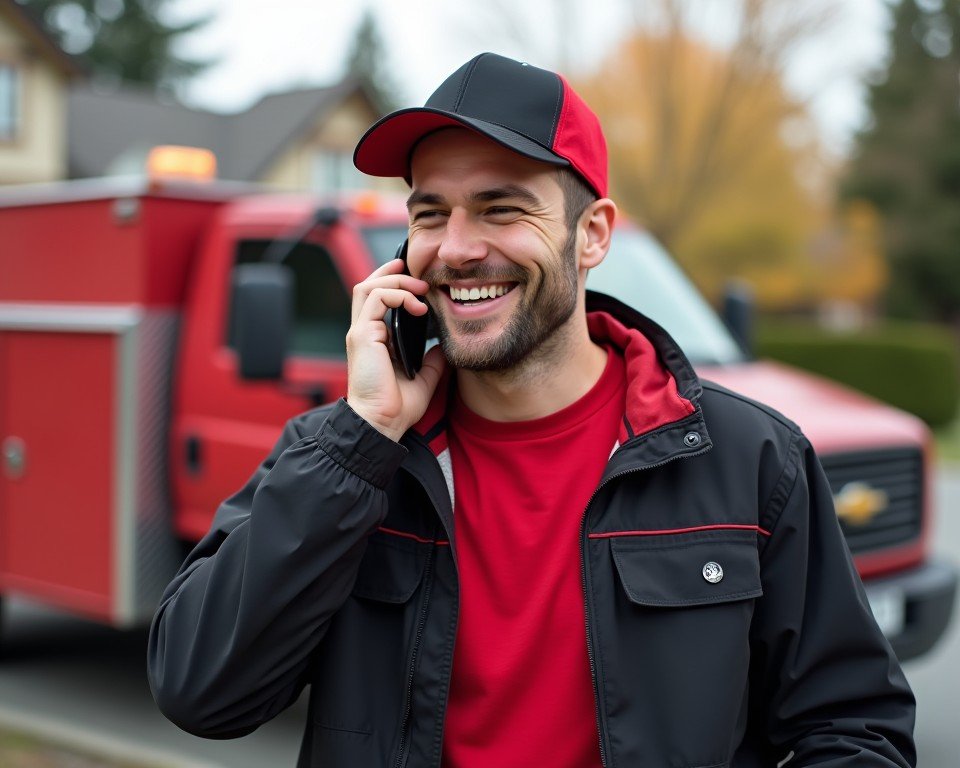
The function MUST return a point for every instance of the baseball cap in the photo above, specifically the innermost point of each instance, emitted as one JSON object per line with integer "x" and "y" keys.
{"x": 529, "y": 110}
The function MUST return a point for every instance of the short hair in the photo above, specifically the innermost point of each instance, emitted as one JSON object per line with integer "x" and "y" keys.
{"x": 577, "y": 195}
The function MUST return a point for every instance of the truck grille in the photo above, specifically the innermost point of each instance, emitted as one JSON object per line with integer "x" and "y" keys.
{"x": 894, "y": 477}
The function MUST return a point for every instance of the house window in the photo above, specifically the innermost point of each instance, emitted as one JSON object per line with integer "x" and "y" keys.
{"x": 9, "y": 101}
{"x": 334, "y": 172}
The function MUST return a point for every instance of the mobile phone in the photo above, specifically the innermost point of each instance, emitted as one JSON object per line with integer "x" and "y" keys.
{"x": 408, "y": 332}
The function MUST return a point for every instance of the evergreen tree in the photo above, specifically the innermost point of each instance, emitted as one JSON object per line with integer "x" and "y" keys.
{"x": 122, "y": 40}
{"x": 907, "y": 162}
{"x": 366, "y": 62}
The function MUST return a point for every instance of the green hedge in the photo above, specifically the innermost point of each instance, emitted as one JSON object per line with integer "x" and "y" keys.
{"x": 915, "y": 367}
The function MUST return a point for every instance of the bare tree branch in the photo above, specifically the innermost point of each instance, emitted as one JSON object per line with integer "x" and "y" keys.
{"x": 766, "y": 34}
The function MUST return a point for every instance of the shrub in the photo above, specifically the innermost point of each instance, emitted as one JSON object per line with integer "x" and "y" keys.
{"x": 912, "y": 366}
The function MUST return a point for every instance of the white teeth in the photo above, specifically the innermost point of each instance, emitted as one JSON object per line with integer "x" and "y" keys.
{"x": 476, "y": 294}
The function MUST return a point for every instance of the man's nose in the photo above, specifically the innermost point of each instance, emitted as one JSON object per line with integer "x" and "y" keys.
{"x": 461, "y": 244}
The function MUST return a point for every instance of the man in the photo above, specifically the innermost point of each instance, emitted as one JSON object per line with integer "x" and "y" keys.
{"x": 553, "y": 547}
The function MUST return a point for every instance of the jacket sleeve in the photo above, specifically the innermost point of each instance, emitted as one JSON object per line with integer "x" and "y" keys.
{"x": 232, "y": 639}
{"x": 833, "y": 690}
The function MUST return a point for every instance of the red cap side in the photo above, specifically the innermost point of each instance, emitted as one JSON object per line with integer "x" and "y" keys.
{"x": 579, "y": 139}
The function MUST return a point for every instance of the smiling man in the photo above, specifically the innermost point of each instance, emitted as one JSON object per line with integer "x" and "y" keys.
{"x": 555, "y": 546}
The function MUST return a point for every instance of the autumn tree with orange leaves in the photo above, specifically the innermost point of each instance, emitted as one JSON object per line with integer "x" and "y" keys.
{"x": 711, "y": 153}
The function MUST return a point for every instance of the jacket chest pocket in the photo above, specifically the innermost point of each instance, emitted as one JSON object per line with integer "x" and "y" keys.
{"x": 391, "y": 569}
{"x": 673, "y": 642}
{"x": 687, "y": 571}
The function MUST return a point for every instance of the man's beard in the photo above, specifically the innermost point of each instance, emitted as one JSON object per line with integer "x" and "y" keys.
{"x": 532, "y": 322}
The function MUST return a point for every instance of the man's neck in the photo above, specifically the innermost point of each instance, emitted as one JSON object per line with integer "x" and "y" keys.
{"x": 557, "y": 374}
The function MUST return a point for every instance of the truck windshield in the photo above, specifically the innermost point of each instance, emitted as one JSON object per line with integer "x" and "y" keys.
{"x": 640, "y": 273}
{"x": 382, "y": 242}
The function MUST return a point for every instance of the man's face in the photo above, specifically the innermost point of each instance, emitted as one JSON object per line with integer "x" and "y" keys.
{"x": 487, "y": 231}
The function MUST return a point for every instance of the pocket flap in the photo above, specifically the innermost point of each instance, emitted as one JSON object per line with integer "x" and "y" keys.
{"x": 690, "y": 569}
{"x": 390, "y": 571}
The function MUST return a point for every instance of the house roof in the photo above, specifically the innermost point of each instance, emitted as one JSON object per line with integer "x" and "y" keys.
{"x": 111, "y": 133}
{"x": 30, "y": 27}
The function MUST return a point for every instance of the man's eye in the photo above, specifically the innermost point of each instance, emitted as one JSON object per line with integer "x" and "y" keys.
{"x": 426, "y": 216}
{"x": 503, "y": 211}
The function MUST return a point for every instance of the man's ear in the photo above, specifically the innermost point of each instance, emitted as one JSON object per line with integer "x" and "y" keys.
{"x": 597, "y": 221}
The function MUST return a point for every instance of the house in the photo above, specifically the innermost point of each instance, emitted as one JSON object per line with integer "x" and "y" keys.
{"x": 295, "y": 140}
{"x": 56, "y": 124}
{"x": 35, "y": 75}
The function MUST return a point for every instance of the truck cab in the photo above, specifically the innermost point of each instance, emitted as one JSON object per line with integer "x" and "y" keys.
{"x": 223, "y": 424}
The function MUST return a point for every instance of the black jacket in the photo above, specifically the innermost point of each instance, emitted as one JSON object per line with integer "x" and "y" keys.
{"x": 336, "y": 566}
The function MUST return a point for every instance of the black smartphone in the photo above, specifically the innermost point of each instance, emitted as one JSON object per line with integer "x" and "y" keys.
{"x": 408, "y": 332}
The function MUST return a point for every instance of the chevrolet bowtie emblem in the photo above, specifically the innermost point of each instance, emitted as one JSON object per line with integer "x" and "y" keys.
{"x": 858, "y": 503}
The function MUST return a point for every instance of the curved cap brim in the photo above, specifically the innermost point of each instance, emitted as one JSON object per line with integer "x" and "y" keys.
{"x": 385, "y": 149}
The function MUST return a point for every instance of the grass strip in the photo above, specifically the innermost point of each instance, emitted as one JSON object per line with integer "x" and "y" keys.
{"x": 18, "y": 750}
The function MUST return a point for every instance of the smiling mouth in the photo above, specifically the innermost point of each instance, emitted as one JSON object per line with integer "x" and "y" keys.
{"x": 479, "y": 294}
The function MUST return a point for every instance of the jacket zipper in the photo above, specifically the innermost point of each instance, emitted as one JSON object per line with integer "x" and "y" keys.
{"x": 583, "y": 583}
{"x": 414, "y": 656}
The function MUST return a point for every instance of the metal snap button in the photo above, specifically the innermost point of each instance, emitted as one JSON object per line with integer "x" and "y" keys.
{"x": 712, "y": 572}
{"x": 692, "y": 439}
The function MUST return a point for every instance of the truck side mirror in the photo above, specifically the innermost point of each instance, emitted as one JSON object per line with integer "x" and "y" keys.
{"x": 263, "y": 317}
{"x": 739, "y": 310}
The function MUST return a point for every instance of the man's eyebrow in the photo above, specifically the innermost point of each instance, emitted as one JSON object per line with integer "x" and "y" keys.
{"x": 511, "y": 191}
{"x": 507, "y": 191}
{"x": 423, "y": 198}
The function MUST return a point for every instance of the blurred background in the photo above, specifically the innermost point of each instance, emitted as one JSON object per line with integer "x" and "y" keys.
{"x": 806, "y": 152}
{"x": 809, "y": 150}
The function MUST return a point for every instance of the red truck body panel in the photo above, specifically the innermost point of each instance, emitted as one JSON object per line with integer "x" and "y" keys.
{"x": 112, "y": 250}
{"x": 90, "y": 302}
{"x": 56, "y": 537}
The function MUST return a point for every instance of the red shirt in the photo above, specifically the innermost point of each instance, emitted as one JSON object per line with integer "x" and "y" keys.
{"x": 522, "y": 693}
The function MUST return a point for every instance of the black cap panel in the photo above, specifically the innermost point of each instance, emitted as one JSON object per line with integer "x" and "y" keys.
{"x": 447, "y": 96}
{"x": 514, "y": 141}
{"x": 504, "y": 92}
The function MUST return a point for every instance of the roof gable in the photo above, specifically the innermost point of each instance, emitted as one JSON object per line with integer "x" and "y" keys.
{"x": 112, "y": 132}
{"x": 22, "y": 20}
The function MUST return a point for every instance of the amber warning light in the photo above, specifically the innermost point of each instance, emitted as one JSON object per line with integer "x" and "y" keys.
{"x": 181, "y": 163}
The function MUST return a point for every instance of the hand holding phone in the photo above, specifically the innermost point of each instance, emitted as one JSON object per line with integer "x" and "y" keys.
{"x": 381, "y": 342}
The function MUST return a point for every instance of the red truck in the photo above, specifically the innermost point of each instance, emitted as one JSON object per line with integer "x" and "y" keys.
{"x": 155, "y": 336}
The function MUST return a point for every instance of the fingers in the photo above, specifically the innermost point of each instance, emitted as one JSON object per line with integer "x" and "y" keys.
{"x": 389, "y": 277}
{"x": 380, "y": 300}
{"x": 381, "y": 396}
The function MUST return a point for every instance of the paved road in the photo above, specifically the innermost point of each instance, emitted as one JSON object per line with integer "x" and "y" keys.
{"x": 86, "y": 683}
{"x": 935, "y": 677}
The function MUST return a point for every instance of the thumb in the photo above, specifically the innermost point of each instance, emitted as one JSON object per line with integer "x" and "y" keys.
{"x": 434, "y": 364}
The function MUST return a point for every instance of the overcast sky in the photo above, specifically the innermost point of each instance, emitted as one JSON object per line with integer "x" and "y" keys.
{"x": 270, "y": 45}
